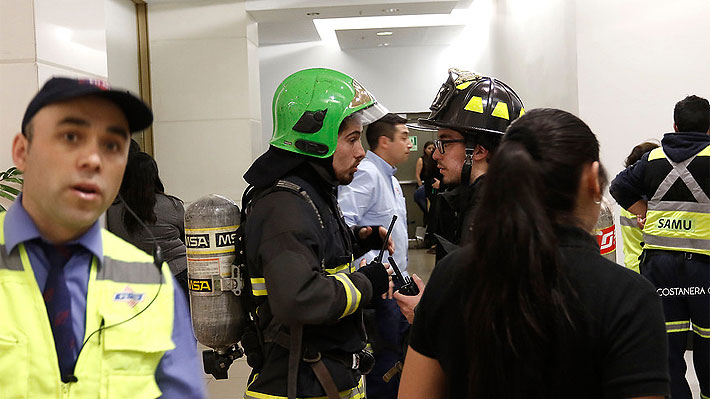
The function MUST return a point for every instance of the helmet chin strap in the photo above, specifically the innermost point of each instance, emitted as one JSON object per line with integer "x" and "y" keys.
{"x": 467, "y": 165}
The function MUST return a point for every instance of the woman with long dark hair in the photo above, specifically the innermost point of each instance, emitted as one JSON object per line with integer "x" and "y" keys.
{"x": 164, "y": 215}
{"x": 529, "y": 308}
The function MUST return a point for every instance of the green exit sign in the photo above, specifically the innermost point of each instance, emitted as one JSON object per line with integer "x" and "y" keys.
{"x": 413, "y": 140}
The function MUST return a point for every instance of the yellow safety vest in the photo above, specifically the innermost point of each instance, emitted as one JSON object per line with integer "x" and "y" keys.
{"x": 632, "y": 235}
{"x": 116, "y": 362}
{"x": 678, "y": 225}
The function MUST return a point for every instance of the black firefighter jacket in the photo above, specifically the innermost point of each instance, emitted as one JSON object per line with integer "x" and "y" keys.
{"x": 304, "y": 258}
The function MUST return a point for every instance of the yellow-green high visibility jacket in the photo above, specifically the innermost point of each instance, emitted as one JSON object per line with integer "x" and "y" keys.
{"x": 679, "y": 225}
{"x": 632, "y": 235}
{"x": 115, "y": 362}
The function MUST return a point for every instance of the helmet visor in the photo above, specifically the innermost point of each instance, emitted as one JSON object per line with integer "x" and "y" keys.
{"x": 372, "y": 110}
{"x": 372, "y": 113}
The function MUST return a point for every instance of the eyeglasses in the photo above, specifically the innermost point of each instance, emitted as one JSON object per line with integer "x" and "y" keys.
{"x": 440, "y": 144}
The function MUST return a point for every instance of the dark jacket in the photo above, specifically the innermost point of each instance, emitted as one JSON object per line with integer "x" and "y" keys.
{"x": 292, "y": 247}
{"x": 453, "y": 213}
{"x": 168, "y": 229}
{"x": 632, "y": 184}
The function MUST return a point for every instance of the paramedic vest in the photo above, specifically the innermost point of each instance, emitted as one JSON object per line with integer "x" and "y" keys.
{"x": 678, "y": 217}
{"x": 632, "y": 236}
{"x": 116, "y": 362}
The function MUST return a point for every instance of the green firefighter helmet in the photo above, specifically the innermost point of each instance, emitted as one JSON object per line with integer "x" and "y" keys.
{"x": 310, "y": 105}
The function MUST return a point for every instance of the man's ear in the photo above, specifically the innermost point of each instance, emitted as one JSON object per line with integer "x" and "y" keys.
{"x": 20, "y": 147}
{"x": 675, "y": 128}
{"x": 480, "y": 153}
{"x": 383, "y": 142}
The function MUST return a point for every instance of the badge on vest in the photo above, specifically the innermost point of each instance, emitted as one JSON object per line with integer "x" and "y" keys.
{"x": 129, "y": 296}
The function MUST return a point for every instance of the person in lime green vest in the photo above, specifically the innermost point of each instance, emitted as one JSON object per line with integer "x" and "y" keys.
{"x": 669, "y": 187}
{"x": 84, "y": 314}
{"x": 630, "y": 230}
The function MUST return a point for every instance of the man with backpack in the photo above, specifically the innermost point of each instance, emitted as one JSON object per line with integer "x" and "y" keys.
{"x": 307, "y": 292}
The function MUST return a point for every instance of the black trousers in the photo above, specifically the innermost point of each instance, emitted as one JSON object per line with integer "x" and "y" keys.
{"x": 682, "y": 281}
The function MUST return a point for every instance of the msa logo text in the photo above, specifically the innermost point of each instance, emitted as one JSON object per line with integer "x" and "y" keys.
{"x": 675, "y": 224}
{"x": 200, "y": 284}
{"x": 198, "y": 240}
{"x": 225, "y": 239}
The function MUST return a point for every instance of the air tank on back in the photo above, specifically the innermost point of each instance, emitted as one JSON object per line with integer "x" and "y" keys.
{"x": 605, "y": 231}
{"x": 218, "y": 316}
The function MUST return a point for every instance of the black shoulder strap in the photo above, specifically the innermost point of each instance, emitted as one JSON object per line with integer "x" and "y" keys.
{"x": 285, "y": 185}
{"x": 252, "y": 194}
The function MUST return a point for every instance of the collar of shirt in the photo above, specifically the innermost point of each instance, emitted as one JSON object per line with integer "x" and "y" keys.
{"x": 382, "y": 165}
{"x": 20, "y": 228}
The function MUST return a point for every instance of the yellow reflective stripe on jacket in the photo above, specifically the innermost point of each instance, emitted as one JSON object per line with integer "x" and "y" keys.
{"x": 258, "y": 286}
{"x": 628, "y": 219}
{"x": 357, "y": 392}
{"x": 345, "y": 268}
{"x": 677, "y": 326}
{"x": 677, "y": 230}
{"x": 632, "y": 236}
{"x": 701, "y": 331}
{"x": 352, "y": 294}
{"x": 678, "y": 225}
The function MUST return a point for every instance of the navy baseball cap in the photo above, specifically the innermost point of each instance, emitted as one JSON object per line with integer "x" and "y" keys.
{"x": 138, "y": 114}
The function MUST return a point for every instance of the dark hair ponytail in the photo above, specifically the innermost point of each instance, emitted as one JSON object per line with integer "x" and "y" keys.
{"x": 138, "y": 188}
{"x": 520, "y": 296}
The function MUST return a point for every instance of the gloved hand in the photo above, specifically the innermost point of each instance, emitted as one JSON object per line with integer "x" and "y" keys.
{"x": 378, "y": 276}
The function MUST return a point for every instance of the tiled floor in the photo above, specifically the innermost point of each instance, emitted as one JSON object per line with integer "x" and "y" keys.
{"x": 231, "y": 388}
{"x": 420, "y": 263}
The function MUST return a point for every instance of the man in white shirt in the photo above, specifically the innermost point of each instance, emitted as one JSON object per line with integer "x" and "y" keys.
{"x": 372, "y": 198}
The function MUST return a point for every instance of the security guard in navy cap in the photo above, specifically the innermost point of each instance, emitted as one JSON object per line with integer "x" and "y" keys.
{"x": 84, "y": 314}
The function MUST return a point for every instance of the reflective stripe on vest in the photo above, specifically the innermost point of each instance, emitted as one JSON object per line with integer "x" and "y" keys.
{"x": 115, "y": 362}
{"x": 678, "y": 225}
{"x": 632, "y": 236}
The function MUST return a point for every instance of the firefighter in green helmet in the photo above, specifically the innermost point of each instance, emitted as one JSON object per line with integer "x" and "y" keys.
{"x": 307, "y": 293}
{"x": 470, "y": 113}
